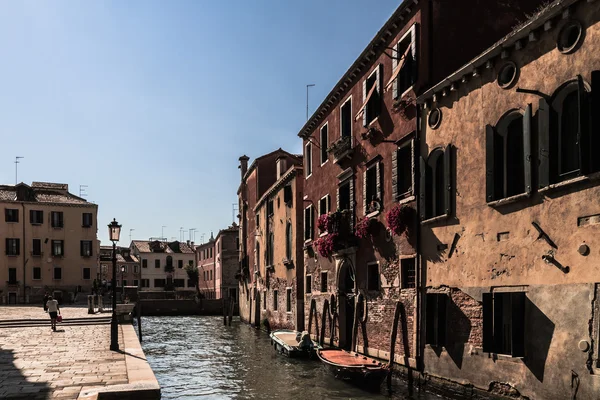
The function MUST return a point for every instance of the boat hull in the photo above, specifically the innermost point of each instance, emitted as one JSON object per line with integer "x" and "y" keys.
{"x": 368, "y": 374}
{"x": 282, "y": 343}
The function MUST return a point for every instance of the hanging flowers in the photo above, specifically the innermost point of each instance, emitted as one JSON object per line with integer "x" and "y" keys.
{"x": 397, "y": 218}
{"x": 362, "y": 228}
{"x": 326, "y": 245}
{"x": 325, "y": 223}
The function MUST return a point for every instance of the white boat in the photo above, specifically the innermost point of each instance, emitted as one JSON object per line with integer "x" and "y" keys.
{"x": 293, "y": 343}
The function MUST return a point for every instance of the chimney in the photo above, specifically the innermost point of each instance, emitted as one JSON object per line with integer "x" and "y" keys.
{"x": 281, "y": 165}
{"x": 192, "y": 244}
{"x": 188, "y": 242}
{"x": 243, "y": 165}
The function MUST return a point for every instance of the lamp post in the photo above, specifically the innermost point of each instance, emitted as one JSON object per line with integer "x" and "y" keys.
{"x": 114, "y": 231}
{"x": 122, "y": 282}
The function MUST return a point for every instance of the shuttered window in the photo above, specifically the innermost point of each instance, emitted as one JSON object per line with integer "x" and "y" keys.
{"x": 346, "y": 119}
{"x": 402, "y": 170}
{"x": 436, "y": 183}
{"x": 308, "y": 159}
{"x": 36, "y": 217}
{"x": 372, "y": 96}
{"x": 308, "y": 223}
{"x": 404, "y": 63}
{"x": 372, "y": 188}
{"x": 324, "y": 143}
{"x": 435, "y": 324}
{"x": 504, "y": 323}
{"x": 57, "y": 219}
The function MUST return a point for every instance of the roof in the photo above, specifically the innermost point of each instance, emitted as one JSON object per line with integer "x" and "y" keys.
{"x": 256, "y": 160}
{"x": 124, "y": 255}
{"x": 528, "y": 30}
{"x": 156, "y": 246}
{"x": 364, "y": 60}
{"x": 40, "y": 192}
{"x": 284, "y": 179}
{"x": 234, "y": 228}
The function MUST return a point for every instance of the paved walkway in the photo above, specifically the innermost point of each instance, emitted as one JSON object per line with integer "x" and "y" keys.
{"x": 23, "y": 312}
{"x": 37, "y": 363}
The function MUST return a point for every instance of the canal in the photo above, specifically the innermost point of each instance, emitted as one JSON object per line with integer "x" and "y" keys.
{"x": 198, "y": 358}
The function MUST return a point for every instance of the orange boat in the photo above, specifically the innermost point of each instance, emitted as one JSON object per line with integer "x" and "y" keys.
{"x": 351, "y": 366}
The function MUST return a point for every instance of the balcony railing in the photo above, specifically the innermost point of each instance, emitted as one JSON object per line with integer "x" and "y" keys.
{"x": 12, "y": 283}
{"x": 341, "y": 148}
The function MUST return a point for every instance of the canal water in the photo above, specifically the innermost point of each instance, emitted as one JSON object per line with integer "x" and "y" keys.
{"x": 198, "y": 358}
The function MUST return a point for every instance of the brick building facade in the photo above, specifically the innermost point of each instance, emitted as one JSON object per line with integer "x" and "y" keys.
{"x": 509, "y": 253}
{"x": 227, "y": 262}
{"x": 205, "y": 260}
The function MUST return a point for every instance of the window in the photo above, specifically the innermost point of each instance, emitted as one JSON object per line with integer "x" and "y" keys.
{"x": 123, "y": 268}
{"x": 324, "y": 282}
{"x": 13, "y": 247}
{"x": 136, "y": 282}
{"x": 371, "y": 97}
{"x": 288, "y": 195}
{"x": 269, "y": 259}
{"x": 58, "y": 248}
{"x": 191, "y": 263}
{"x": 508, "y": 155}
{"x": 86, "y": 248}
{"x": 270, "y": 210}
{"x": 136, "y": 269}
{"x": 281, "y": 166}
{"x": 324, "y": 144}
{"x": 504, "y": 323}
{"x": 179, "y": 283}
{"x": 179, "y": 263}
{"x": 37, "y": 273}
{"x": 36, "y": 249}
{"x": 57, "y": 273}
{"x": 36, "y": 217}
{"x": 435, "y": 323}
{"x": 308, "y": 284}
{"x": 372, "y": 188}
{"x": 57, "y": 219}
{"x": 308, "y": 159}
{"x": 373, "y": 276}
{"x": 408, "y": 271}
{"x": 404, "y": 64}
{"x": 325, "y": 205}
{"x": 275, "y": 299}
{"x": 309, "y": 219}
{"x": 145, "y": 283}
{"x": 11, "y": 215}
{"x": 144, "y": 263}
{"x": 211, "y": 275}
{"x": 346, "y": 119}
{"x": 160, "y": 283}
{"x": 288, "y": 300}
{"x": 344, "y": 195}
{"x": 156, "y": 263}
{"x": 87, "y": 274}
{"x": 118, "y": 283}
{"x": 288, "y": 241}
{"x": 402, "y": 170}
{"x": 169, "y": 262}
{"x": 12, "y": 276}
{"x": 86, "y": 220}
{"x": 436, "y": 184}
{"x": 567, "y": 147}
{"x": 264, "y": 299}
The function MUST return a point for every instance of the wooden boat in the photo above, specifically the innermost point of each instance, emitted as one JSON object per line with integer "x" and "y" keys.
{"x": 351, "y": 366}
{"x": 293, "y": 343}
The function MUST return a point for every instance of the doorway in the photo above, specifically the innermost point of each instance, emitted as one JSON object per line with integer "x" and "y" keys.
{"x": 346, "y": 286}
{"x": 12, "y": 298}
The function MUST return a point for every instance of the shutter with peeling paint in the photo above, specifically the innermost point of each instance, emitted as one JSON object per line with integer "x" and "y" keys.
{"x": 352, "y": 211}
{"x": 489, "y": 164}
{"x": 583, "y": 136}
{"x": 488, "y": 323}
{"x": 394, "y": 65}
{"x": 518, "y": 324}
{"x": 337, "y": 197}
{"x": 543, "y": 144}
{"x": 395, "y": 174}
{"x": 527, "y": 164}
{"x": 498, "y": 308}
{"x": 366, "y": 109}
{"x": 379, "y": 172}
{"x": 448, "y": 179}
{"x": 595, "y": 121}
{"x": 365, "y": 200}
{"x": 422, "y": 188}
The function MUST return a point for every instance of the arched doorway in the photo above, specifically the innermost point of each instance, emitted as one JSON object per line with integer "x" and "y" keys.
{"x": 346, "y": 289}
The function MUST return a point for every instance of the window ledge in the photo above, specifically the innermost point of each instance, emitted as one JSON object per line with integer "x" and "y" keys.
{"x": 507, "y": 358}
{"x": 13, "y": 255}
{"x": 403, "y": 199}
{"x": 373, "y": 122}
{"x": 373, "y": 214}
{"x": 435, "y": 219}
{"x": 509, "y": 200}
{"x": 36, "y": 223}
{"x": 585, "y": 178}
{"x": 323, "y": 234}
{"x": 405, "y": 93}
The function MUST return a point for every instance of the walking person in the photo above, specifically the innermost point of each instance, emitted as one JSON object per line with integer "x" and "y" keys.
{"x": 46, "y": 302}
{"x": 54, "y": 311}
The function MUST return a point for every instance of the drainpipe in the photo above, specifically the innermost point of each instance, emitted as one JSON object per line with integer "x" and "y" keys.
{"x": 24, "y": 255}
{"x": 419, "y": 264}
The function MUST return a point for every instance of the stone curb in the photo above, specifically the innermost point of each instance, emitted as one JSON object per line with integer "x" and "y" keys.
{"x": 142, "y": 382}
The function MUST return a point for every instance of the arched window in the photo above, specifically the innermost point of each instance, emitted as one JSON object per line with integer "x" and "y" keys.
{"x": 508, "y": 156}
{"x": 288, "y": 241}
{"x": 435, "y": 184}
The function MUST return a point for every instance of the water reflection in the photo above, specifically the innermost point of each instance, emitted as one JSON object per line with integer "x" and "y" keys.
{"x": 197, "y": 357}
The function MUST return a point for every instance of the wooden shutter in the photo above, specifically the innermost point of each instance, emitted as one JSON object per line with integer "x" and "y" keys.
{"x": 543, "y": 144}
{"x": 518, "y": 324}
{"x": 379, "y": 83}
{"x": 7, "y": 244}
{"x": 379, "y": 172}
{"x": 395, "y": 174}
{"x": 366, "y": 107}
{"x": 498, "y": 321}
{"x": 352, "y": 211}
{"x": 30, "y": 216}
{"x": 527, "y": 164}
{"x": 488, "y": 323}
{"x": 328, "y": 204}
{"x": 448, "y": 179}
{"x": 413, "y": 52}
{"x": 442, "y": 299}
{"x": 583, "y": 134}
{"x": 81, "y": 247}
{"x": 422, "y": 188}
{"x": 337, "y": 198}
{"x": 365, "y": 200}
{"x": 595, "y": 121}
{"x": 430, "y": 319}
{"x": 394, "y": 65}
{"x": 490, "y": 134}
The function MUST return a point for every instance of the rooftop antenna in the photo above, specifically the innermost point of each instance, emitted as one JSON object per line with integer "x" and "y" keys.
{"x": 191, "y": 233}
{"x": 202, "y": 238}
{"x": 17, "y": 167}
{"x": 307, "y": 86}
{"x": 162, "y": 232}
{"x": 130, "y": 230}
{"x": 234, "y": 208}
{"x": 181, "y": 233}
{"x": 82, "y": 192}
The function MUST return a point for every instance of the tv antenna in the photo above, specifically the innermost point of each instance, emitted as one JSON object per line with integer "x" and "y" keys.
{"x": 17, "y": 167}
{"x": 130, "y": 230}
{"x": 82, "y": 192}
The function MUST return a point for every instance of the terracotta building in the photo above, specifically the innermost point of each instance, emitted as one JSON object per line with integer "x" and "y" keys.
{"x": 227, "y": 245}
{"x": 360, "y": 192}
{"x": 255, "y": 181}
{"x": 511, "y": 212}
{"x": 128, "y": 267}
{"x": 205, "y": 256}
{"x": 163, "y": 264}
{"x": 279, "y": 255}
{"x": 50, "y": 239}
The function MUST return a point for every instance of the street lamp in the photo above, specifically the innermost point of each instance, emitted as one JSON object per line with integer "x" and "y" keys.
{"x": 114, "y": 231}
{"x": 122, "y": 282}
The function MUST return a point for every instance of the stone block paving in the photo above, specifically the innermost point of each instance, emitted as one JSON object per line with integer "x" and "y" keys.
{"x": 37, "y": 363}
{"x": 37, "y": 312}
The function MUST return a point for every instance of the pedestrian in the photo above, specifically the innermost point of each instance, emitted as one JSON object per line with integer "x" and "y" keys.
{"x": 54, "y": 311}
{"x": 46, "y": 302}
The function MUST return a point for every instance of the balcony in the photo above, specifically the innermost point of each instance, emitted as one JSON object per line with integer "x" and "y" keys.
{"x": 341, "y": 149}
{"x": 12, "y": 283}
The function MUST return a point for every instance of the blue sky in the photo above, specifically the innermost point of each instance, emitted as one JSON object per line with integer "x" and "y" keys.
{"x": 151, "y": 103}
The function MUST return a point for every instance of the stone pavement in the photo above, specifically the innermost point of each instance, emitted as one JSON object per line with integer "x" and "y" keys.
{"x": 37, "y": 312}
{"x": 37, "y": 363}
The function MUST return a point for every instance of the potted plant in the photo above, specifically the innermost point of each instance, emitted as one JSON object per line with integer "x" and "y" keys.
{"x": 326, "y": 245}
{"x": 362, "y": 228}
{"x": 397, "y": 219}
{"x": 325, "y": 223}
